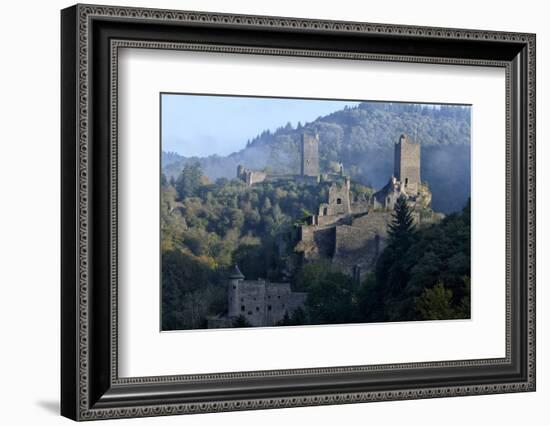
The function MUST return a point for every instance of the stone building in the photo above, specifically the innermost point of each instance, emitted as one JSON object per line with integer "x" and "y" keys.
{"x": 261, "y": 302}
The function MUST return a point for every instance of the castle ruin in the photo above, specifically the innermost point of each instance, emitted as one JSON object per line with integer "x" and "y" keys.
{"x": 309, "y": 166}
{"x": 349, "y": 233}
{"x": 250, "y": 177}
{"x": 353, "y": 234}
{"x": 405, "y": 180}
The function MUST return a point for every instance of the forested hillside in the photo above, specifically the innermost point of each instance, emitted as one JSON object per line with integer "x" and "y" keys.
{"x": 362, "y": 139}
{"x": 207, "y": 227}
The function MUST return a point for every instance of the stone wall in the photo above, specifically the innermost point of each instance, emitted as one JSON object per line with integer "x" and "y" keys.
{"x": 360, "y": 243}
{"x": 262, "y": 303}
{"x": 250, "y": 177}
{"x": 316, "y": 242}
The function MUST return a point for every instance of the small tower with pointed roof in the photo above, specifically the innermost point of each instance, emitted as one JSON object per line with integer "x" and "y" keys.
{"x": 234, "y": 280}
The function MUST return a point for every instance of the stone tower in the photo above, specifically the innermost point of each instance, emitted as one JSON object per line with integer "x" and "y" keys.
{"x": 407, "y": 162}
{"x": 233, "y": 283}
{"x": 310, "y": 155}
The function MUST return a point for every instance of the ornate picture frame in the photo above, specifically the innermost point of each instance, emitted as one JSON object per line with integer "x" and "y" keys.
{"x": 91, "y": 387}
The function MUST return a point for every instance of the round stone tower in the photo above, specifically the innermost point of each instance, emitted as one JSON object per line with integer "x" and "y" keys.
{"x": 233, "y": 281}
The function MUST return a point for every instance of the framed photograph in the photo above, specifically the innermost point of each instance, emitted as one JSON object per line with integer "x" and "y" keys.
{"x": 263, "y": 212}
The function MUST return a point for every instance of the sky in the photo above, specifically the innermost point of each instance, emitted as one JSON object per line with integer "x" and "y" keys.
{"x": 200, "y": 125}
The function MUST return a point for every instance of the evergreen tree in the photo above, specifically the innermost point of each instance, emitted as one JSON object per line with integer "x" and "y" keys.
{"x": 189, "y": 181}
{"x": 241, "y": 322}
{"x": 402, "y": 225}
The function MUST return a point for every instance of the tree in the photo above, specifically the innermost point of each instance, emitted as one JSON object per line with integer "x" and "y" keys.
{"x": 189, "y": 181}
{"x": 332, "y": 298}
{"x": 435, "y": 303}
{"x": 298, "y": 317}
{"x": 241, "y": 322}
{"x": 393, "y": 265}
{"x": 402, "y": 225}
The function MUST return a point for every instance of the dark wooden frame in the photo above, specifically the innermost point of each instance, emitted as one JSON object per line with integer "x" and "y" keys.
{"x": 90, "y": 386}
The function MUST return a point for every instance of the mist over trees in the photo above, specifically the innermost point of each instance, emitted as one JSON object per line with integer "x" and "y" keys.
{"x": 362, "y": 139}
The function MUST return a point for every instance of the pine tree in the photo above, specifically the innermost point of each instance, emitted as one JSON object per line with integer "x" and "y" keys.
{"x": 402, "y": 225}
{"x": 241, "y": 322}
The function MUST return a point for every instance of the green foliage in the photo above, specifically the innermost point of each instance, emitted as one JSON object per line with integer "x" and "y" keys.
{"x": 189, "y": 181}
{"x": 208, "y": 227}
{"x": 402, "y": 226}
{"x": 436, "y": 303}
{"x": 241, "y": 322}
{"x": 217, "y": 225}
{"x": 415, "y": 263}
{"x": 331, "y": 295}
{"x": 298, "y": 317}
{"x": 393, "y": 265}
{"x": 188, "y": 294}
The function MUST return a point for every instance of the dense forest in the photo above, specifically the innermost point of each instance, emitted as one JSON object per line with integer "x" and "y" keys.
{"x": 362, "y": 139}
{"x": 207, "y": 227}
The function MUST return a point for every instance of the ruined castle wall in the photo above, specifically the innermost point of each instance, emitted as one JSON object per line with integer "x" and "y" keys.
{"x": 359, "y": 207}
{"x": 250, "y": 177}
{"x": 316, "y": 242}
{"x": 374, "y": 222}
{"x": 348, "y": 238}
{"x": 338, "y": 199}
{"x": 330, "y": 219}
{"x": 306, "y": 233}
{"x": 310, "y": 155}
{"x": 306, "y": 180}
{"x": 361, "y": 243}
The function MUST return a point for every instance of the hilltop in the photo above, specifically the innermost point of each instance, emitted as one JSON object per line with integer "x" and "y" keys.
{"x": 362, "y": 138}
